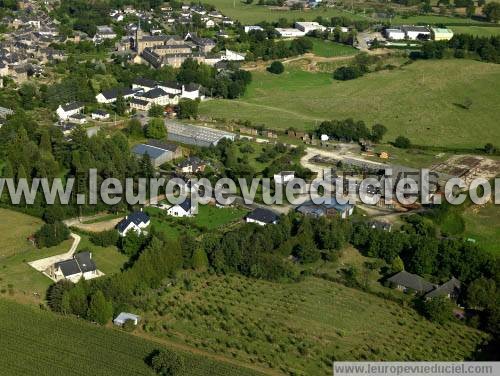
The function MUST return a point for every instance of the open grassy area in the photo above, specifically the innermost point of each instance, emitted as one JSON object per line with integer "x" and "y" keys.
{"x": 36, "y": 342}
{"x": 109, "y": 260}
{"x": 476, "y": 30}
{"x": 298, "y": 327}
{"x": 249, "y": 14}
{"x": 420, "y": 101}
{"x": 483, "y": 225}
{"x": 212, "y": 217}
{"x": 432, "y": 20}
{"x": 325, "y": 48}
{"x": 14, "y": 229}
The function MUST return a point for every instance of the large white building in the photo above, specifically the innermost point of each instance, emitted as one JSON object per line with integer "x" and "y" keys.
{"x": 290, "y": 33}
{"x": 64, "y": 111}
{"x": 307, "y": 27}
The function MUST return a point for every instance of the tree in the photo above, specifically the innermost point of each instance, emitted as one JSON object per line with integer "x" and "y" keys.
{"x": 378, "y": 132}
{"x": 276, "y": 67}
{"x": 347, "y": 73}
{"x": 134, "y": 128}
{"x": 156, "y": 129}
{"x": 51, "y": 234}
{"x": 492, "y": 11}
{"x": 200, "y": 259}
{"x": 481, "y": 293}
{"x": 120, "y": 105}
{"x": 155, "y": 111}
{"x": 489, "y": 148}
{"x": 167, "y": 363}
{"x": 188, "y": 108}
{"x": 402, "y": 142}
{"x": 437, "y": 309}
{"x": 100, "y": 310}
{"x": 55, "y": 294}
{"x": 397, "y": 265}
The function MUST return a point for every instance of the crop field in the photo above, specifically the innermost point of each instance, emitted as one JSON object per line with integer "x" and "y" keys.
{"x": 36, "y": 342}
{"x": 421, "y": 101}
{"x": 249, "y": 14}
{"x": 297, "y": 328}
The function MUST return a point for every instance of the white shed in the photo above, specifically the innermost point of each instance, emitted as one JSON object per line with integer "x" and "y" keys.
{"x": 124, "y": 316}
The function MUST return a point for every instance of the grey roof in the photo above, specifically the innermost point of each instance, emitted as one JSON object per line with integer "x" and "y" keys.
{"x": 195, "y": 132}
{"x": 154, "y": 93}
{"x": 452, "y": 288}
{"x": 421, "y": 29}
{"x": 136, "y": 217}
{"x": 100, "y": 112}
{"x": 153, "y": 152}
{"x": 124, "y": 316}
{"x": 85, "y": 262}
{"x": 412, "y": 281}
{"x": 114, "y": 93}
{"x": 72, "y": 106}
{"x": 68, "y": 267}
{"x": 168, "y": 146}
{"x": 138, "y": 101}
{"x": 146, "y": 82}
{"x": 263, "y": 215}
{"x": 77, "y": 116}
{"x": 192, "y": 87}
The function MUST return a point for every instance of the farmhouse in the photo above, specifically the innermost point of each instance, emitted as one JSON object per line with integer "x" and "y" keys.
{"x": 158, "y": 97}
{"x": 441, "y": 33}
{"x": 81, "y": 265}
{"x": 110, "y": 96}
{"x": 262, "y": 217}
{"x": 196, "y": 135}
{"x": 405, "y": 282}
{"x": 184, "y": 209}
{"x": 64, "y": 111}
{"x": 124, "y": 317}
{"x": 136, "y": 221}
{"x": 450, "y": 290}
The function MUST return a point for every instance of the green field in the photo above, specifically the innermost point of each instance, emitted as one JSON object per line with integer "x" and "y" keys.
{"x": 476, "y": 30}
{"x": 420, "y": 101}
{"x": 483, "y": 225}
{"x": 36, "y": 342}
{"x": 249, "y": 14}
{"x": 325, "y": 48}
{"x": 298, "y": 327}
{"x": 432, "y": 19}
{"x": 15, "y": 228}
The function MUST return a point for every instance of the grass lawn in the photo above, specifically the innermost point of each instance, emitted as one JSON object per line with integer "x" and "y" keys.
{"x": 250, "y": 14}
{"x": 418, "y": 101}
{"x": 325, "y": 48}
{"x": 36, "y": 342}
{"x": 409, "y": 157}
{"x": 212, "y": 217}
{"x": 432, "y": 19}
{"x": 109, "y": 260}
{"x": 476, "y": 30}
{"x": 483, "y": 225}
{"x": 298, "y": 327}
{"x": 15, "y": 228}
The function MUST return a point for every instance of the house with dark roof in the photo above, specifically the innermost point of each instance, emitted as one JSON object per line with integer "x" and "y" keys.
{"x": 184, "y": 209}
{"x": 137, "y": 221}
{"x": 262, "y": 217}
{"x": 80, "y": 266}
{"x": 450, "y": 289}
{"x": 110, "y": 96}
{"x": 406, "y": 282}
{"x": 139, "y": 104}
{"x": 330, "y": 207}
{"x": 191, "y": 165}
{"x": 78, "y": 119}
{"x": 99, "y": 115}
{"x": 144, "y": 84}
{"x": 64, "y": 111}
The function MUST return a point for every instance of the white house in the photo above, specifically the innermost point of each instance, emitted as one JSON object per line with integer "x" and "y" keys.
{"x": 307, "y": 27}
{"x": 124, "y": 317}
{"x": 262, "y": 217}
{"x": 80, "y": 266}
{"x": 78, "y": 119}
{"x": 110, "y": 96}
{"x": 233, "y": 56}
{"x": 137, "y": 222}
{"x": 64, "y": 111}
{"x": 284, "y": 177}
{"x": 99, "y": 115}
{"x": 290, "y": 33}
{"x": 158, "y": 96}
{"x": 191, "y": 91}
{"x": 184, "y": 209}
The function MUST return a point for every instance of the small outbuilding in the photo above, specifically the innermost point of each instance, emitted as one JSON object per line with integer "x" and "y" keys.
{"x": 124, "y": 317}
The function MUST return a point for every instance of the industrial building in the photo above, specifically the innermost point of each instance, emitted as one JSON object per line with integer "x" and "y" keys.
{"x": 196, "y": 135}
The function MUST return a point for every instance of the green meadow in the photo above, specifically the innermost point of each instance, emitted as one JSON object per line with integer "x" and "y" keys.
{"x": 421, "y": 101}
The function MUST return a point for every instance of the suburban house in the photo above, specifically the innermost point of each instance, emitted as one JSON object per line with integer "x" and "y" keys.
{"x": 124, "y": 317}
{"x": 284, "y": 177}
{"x": 184, "y": 209}
{"x": 450, "y": 290}
{"x": 406, "y": 282}
{"x": 110, "y": 96}
{"x": 80, "y": 266}
{"x": 136, "y": 221}
{"x": 262, "y": 217}
{"x": 78, "y": 119}
{"x": 329, "y": 208}
{"x": 99, "y": 115}
{"x": 64, "y": 111}
{"x": 158, "y": 97}
{"x": 140, "y": 104}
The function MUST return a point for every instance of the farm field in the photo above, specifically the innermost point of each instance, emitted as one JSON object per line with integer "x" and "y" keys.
{"x": 476, "y": 30}
{"x": 249, "y": 14}
{"x": 299, "y": 327}
{"x": 15, "y": 228}
{"x": 432, "y": 19}
{"x": 483, "y": 225}
{"x": 37, "y": 342}
{"x": 417, "y": 101}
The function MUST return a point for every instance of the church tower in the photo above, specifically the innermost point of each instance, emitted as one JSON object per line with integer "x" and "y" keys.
{"x": 138, "y": 37}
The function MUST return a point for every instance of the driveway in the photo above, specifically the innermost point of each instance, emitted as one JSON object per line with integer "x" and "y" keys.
{"x": 42, "y": 264}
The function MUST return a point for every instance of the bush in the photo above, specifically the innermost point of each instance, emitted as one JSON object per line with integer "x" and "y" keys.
{"x": 437, "y": 309}
{"x": 167, "y": 363}
{"x": 188, "y": 109}
{"x": 402, "y": 142}
{"x": 105, "y": 238}
{"x": 51, "y": 234}
{"x": 276, "y": 67}
{"x": 347, "y": 73}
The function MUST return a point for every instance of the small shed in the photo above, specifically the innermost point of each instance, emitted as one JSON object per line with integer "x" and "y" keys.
{"x": 124, "y": 316}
